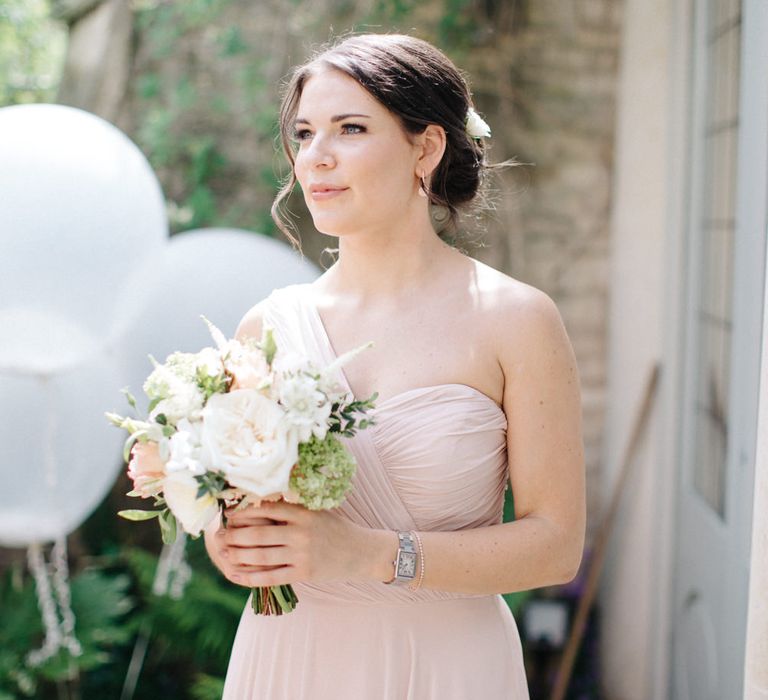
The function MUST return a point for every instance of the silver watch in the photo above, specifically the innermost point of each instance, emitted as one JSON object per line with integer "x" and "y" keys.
{"x": 406, "y": 560}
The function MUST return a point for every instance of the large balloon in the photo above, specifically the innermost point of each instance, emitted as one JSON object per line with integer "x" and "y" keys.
{"x": 219, "y": 273}
{"x": 89, "y": 286}
{"x": 80, "y": 207}
{"x": 58, "y": 454}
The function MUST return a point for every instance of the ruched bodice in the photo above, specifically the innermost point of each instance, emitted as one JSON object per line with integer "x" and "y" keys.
{"x": 435, "y": 459}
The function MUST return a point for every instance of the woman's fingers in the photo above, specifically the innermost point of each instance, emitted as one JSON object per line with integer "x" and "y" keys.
{"x": 254, "y": 536}
{"x": 247, "y": 517}
{"x": 278, "y": 576}
{"x": 256, "y": 556}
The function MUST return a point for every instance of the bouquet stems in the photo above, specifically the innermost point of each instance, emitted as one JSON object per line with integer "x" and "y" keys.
{"x": 273, "y": 600}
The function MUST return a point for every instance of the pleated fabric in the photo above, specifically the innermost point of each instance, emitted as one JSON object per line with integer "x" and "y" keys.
{"x": 436, "y": 460}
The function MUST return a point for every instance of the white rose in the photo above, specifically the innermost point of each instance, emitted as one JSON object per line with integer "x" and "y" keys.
{"x": 249, "y": 439}
{"x": 186, "y": 451}
{"x": 306, "y": 407}
{"x": 180, "y": 493}
{"x": 476, "y": 126}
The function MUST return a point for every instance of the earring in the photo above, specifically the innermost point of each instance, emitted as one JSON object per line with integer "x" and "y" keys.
{"x": 423, "y": 191}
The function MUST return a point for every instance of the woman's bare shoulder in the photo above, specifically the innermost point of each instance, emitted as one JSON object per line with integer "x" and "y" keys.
{"x": 504, "y": 294}
{"x": 520, "y": 318}
{"x": 252, "y": 322}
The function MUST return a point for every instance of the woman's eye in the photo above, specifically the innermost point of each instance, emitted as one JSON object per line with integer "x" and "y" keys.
{"x": 300, "y": 134}
{"x": 354, "y": 128}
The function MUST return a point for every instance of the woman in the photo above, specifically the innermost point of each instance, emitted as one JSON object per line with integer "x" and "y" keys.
{"x": 477, "y": 386}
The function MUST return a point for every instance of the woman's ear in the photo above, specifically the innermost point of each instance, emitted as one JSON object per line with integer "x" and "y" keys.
{"x": 432, "y": 143}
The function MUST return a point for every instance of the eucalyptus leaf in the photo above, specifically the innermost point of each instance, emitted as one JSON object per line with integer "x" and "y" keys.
{"x": 138, "y": 514}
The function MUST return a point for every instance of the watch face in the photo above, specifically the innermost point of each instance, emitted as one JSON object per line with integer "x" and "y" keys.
{"x": 406, "y": 564}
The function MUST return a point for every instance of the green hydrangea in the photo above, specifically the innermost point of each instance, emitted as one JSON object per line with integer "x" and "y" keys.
{"x": 323, "y": 474}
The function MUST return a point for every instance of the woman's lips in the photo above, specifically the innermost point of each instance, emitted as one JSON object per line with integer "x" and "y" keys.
{"x": 328, "y": 194}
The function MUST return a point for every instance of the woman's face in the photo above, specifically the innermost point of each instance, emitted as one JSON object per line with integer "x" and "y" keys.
{"x": 354, "y": 163}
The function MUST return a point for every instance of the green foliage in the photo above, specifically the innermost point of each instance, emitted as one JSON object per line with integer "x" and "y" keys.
{"x": 99, "y": 602}
{"x": 189, "y": 639}
{"x": 199, "y": 627}
{"x": 457, "y": 25}
{"x": 187, "y": 158}
{"x": 32, "y": 50}
{"x": 207, "y": 687}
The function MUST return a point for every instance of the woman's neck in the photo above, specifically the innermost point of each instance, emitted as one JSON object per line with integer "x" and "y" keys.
{"x": 389, "y": 268}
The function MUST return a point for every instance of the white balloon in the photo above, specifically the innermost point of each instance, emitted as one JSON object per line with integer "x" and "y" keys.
{"x": 58, "y": 453}
{"x": 80, "y": 207}
{"x": 217, "y": 273}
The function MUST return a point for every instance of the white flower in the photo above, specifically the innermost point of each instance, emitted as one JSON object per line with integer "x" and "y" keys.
{"x": 475, "y": 125}
{"x": 186, "y": 451}
{"x": 250, "y": 441}
{"x": 306, "y": 407}
{"x": 180, "y": 493}
{"x": 209, "y": 360}
{"x": 184, "y": 400}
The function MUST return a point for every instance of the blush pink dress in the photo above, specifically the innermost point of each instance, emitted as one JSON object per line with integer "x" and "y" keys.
{"x": 435, "y": 460}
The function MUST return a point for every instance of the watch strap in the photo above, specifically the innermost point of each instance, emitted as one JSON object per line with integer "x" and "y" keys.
{"x": 406, "y": 560}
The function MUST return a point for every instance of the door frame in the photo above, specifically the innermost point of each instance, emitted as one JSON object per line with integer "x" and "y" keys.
{"x": 748, "y": 296}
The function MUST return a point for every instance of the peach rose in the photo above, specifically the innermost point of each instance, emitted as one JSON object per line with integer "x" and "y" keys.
{"x": 146, "y": 469}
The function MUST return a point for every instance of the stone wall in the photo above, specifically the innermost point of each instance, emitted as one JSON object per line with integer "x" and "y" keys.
{"x": 204, "y": 83}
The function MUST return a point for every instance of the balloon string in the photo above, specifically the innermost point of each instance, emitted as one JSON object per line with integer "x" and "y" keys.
{"x": 172, "y": 571}
{"x": 61, "y": 584}
{"x": 58, "y": 634}
{"x": 51, "y": 427}
{"x": 47, "y": 607}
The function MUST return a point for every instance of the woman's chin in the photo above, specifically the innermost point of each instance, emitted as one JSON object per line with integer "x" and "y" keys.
{"x": 331, "y": 228}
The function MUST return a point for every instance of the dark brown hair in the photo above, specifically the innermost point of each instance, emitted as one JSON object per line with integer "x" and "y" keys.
{"x": 418, "y": 84}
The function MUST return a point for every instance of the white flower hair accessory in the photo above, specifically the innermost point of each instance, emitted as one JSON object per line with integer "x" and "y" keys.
{"x": 475, "y": 126}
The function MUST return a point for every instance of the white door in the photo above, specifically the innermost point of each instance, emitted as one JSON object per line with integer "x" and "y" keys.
{"x": 725, "y": 261}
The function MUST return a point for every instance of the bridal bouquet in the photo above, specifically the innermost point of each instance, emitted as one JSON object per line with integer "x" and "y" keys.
{"x": 238, "y": 424}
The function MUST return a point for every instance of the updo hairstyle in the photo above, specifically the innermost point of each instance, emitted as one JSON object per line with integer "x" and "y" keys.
{"x": 418, "y": 84}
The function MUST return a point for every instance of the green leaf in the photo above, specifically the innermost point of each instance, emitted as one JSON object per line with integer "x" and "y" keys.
{"x": 138, "y": 514}
{"x": 128, "y": 445}
{"x": 168, "y": 528}
{"x": 268, "y": 346}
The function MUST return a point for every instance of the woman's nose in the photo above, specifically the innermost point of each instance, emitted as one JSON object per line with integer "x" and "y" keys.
{"x": 320, "y": 153}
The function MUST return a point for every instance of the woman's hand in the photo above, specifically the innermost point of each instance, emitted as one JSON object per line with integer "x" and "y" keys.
{"x": 278, "y": 543}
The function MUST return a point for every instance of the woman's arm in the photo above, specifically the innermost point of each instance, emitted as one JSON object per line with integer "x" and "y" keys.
{"x": 542, "y": 402}
{"x": 543, "y": 546}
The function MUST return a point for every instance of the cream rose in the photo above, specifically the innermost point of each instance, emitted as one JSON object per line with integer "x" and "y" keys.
{"x": 180, "y": 492}
{"x": 248, "y": 367}
{"x": 250, "y": 441}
